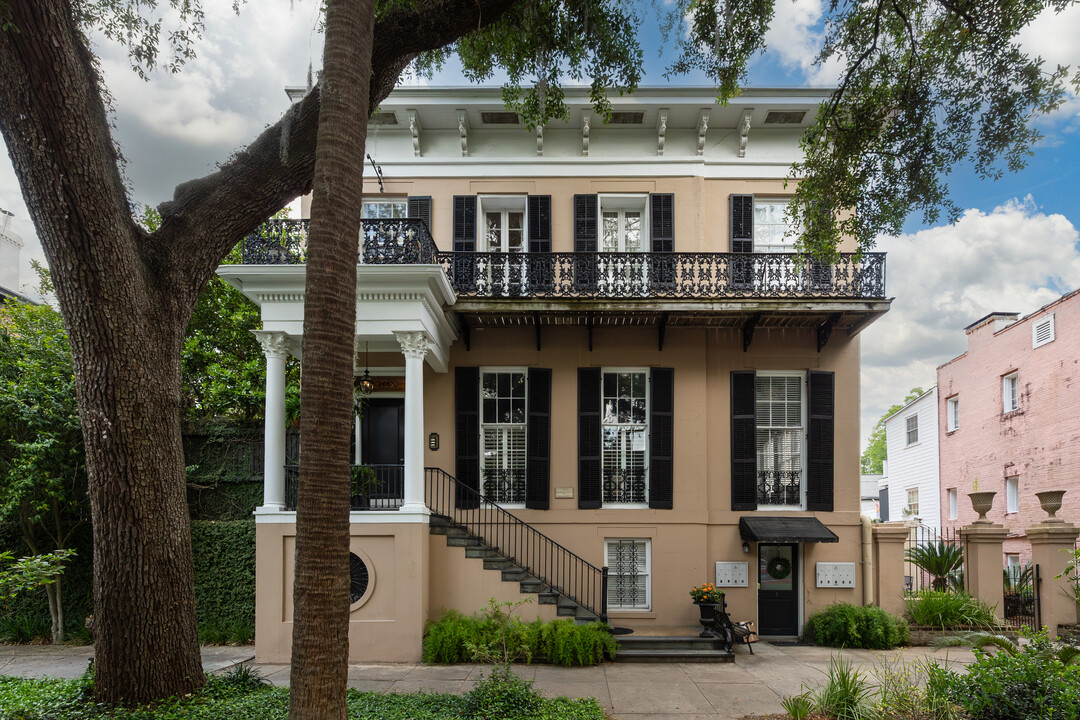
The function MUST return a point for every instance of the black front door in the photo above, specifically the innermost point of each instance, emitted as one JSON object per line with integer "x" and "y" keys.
{"x": 383, "y": 432}
{"x": 778, "y": 589}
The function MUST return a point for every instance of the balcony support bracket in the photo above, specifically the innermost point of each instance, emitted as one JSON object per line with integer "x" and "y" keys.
{"x": 588, "y": 324}
{"x": 748, "y": 330}
{"x": 824, "y": 330}
{"x": 536, "y": 321}
{"x": 662, "y": 331}
{"x": 465, "y": 335}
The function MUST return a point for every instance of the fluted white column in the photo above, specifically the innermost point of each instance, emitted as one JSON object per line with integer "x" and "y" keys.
{"x": 414, "y": 345}
{"x": 275, "y": 346}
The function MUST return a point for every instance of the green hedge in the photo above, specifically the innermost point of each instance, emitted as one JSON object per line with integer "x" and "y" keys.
{"x": 851, "y": 626}
{"x": 455, "y": 637}
{"x": 224, "y": 557}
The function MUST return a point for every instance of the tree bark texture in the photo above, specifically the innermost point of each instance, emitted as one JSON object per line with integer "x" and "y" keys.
{"x": 125, "y": 322}
{"x": 127, "y": 297}
{"x": 320, "y": 641}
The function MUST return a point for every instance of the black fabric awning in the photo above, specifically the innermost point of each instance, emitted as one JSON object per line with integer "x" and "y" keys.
{"x": 785, "y": 529}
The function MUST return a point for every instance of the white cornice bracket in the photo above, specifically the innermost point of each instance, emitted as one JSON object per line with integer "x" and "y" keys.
{"x": 414, "y": 128}
{"x": 702, "y": 128}
{"x": 540, "y": 140}
{"x": 744, "y": 130}
{"x": 586, "y": 118}
{"x": 463, "y": 128}
{"x": 661, "y": 130}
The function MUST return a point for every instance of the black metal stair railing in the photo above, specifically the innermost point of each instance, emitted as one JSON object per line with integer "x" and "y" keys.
{"x": 562, "y": 570}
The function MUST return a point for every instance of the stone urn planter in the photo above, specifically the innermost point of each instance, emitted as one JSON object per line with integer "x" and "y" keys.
{"x": 1050, "y": 500}
{"x": 981, "y": 502}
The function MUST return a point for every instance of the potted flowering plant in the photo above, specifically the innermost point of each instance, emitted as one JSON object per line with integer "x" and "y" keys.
{"x": 707, "y": 597}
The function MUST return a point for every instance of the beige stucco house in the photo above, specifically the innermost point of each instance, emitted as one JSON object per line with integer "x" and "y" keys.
{"x": 600, "y": 375}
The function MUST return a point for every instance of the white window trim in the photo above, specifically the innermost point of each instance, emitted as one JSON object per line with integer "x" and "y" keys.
{"x": 1010, "y": 398}
{"x": 952, "y": 413}
{"x": 908, "y": 503}
{"x": 908, "y": 442}
{"x": 954, "y": 503}
{"x": 480, "y": 390}
{"x": 1012, "y": 494}
{"x": 1043, "y": 321}
{"x": 804, "y": 438}
{"x": 648, "y": 439}
{"x": 648, "y": 573}
{"x": 503, "y": 203}
{"x": 625, "y": 201}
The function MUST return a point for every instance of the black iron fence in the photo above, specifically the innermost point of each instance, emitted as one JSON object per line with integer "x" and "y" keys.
{"x": 588, "y": 274}
{"x": 558, "y": 568}
{"x": 1021, "y": 596}
{"x": 372, "y": 487}
{"x": 933, "y": 560}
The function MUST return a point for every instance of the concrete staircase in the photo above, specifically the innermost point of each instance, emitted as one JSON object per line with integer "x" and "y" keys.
{"x": 683, "y": 649}
{"x": 510, "y": 571}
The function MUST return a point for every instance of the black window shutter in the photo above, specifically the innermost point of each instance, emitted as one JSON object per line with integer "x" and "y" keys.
{"x": 589, "y": 440}
{"x": 661, "y": 438}
{"x": 819, "y": 481}
{"x": 538, "y": 440}
{"x": 420, "y": 208}
{"x": 539, "y": 223}
{"x": 741, "y": 213}
{"x": 464, "y": 223}
{"x": 743, "y": 441}
{"x": 467, "y": 434}
{"x": 585, "y": 223}
{"x": 663, "y": 222}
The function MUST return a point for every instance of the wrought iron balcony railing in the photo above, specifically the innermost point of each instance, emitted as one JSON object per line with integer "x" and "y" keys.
{"x": 598, "y": 275}
{"x": 623, "y": 485}
{"x": 503, "y": 486}
{"x": 779, "y": 487}
{"x": 399, "y": 241}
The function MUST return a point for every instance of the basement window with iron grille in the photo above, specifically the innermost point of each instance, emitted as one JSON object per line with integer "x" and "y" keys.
{"x": 629, "y": 569}
{"x": 502, "y": 434}
{"x": 779, "y": 407}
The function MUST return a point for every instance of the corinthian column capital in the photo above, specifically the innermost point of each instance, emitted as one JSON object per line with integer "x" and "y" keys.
{"x": 274, "y": 344}
{"x": 413, "y": 344}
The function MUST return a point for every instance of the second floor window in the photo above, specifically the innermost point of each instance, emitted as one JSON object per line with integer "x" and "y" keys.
{"x": 504, "y": 224}
{"x": 622, "y": 223}
{"x": 384, "y": 209}
{"x": 912, "y": 430}
{"x": 772, "y": 232}
{"x": 954, "y": 507}
{"x": 502, "y": 431}
{"x": 779, "y": 409}
{"x": 625, "y": 418}
{"x": 952, "y": 413}
{"x": 1012, "y": 494}
{"x": 912, "y": 507}
{"x": 1010, "y": 396}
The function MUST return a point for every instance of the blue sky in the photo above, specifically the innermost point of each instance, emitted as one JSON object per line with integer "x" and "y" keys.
{"x": 1015, "y": 247}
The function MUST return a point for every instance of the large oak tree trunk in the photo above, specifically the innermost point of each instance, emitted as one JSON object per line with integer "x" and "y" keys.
{"x": 320, "y": 641}
{"x": 125, "y": 315}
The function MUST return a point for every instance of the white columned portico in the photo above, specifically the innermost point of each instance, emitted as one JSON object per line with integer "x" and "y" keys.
{"x": 275, "y": 346}
{"x": 414, "y": 345}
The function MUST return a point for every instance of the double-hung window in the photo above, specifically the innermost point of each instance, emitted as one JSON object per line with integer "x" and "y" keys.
{"x": 912, "y": 507}
{"x": 629, "y": 567}
{"x": 912, "y": 429}
{"x": 625, "y": 429}
{"x": 954, "y": 506}
{"x": 502, "y": 432}
{"x": 779, "y": 408}
{"x": 1010, "y": 392}
{"x": 952, "y": 413}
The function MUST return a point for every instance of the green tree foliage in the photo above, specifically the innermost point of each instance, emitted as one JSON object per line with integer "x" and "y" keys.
{"x": 27, "y": 573}
{"x": 876, "y": 453}
{"x": 42, "y": 473}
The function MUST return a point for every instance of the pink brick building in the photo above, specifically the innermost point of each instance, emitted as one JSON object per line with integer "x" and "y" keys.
{"x": 1009, "y": 417}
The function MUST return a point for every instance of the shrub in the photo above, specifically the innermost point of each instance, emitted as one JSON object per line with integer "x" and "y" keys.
{"x": 846, "y": 695}
{"x": 224, "y": 557}
{"x": 949, "y": 609}
{"x": 851, "y": 626}
{"x": 1021, "y": 681}
{"x": 458, "y": 638}
{"x": 502, "y": 694}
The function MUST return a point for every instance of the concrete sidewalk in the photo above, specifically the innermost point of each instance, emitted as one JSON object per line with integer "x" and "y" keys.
{"x": 752, "y": 685}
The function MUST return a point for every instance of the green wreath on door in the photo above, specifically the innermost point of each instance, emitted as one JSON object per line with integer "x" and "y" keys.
{"x": 778, "y": 568}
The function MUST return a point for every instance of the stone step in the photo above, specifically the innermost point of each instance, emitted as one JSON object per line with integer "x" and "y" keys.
{"x": 466, "y": 541}
{"x": 674, "y": 656}
{"x": 514, "y": 574}
{"x": 497, "y": 563}
{"x": 548, "y": 598}
{"x": 657, "y": 643}
{"x": 481, "y": 552}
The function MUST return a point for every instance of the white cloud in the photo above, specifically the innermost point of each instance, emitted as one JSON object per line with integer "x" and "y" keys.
{"x": 1013, "y": 259}
{"x": 795, "y": 37}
